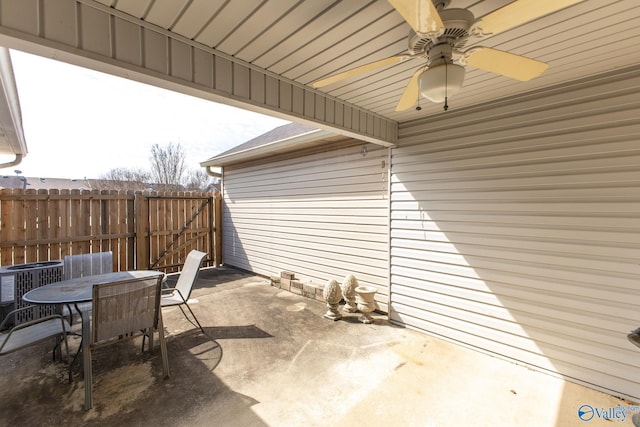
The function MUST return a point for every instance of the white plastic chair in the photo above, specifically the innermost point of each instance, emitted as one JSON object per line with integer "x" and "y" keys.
{"x": 179, "y": 295}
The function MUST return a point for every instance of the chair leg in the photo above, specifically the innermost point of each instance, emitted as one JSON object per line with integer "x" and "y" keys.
{"x": 88, "y": 380}
{"x": 192, "y": 314}
{"x": 69, "y": 360}
{"x": 86, "y": 361}
{"x": 75, "y": 356}
{"x": 56, "y": 350}
{"x": 147, "y": 333}
{"x": 163, "y": 346}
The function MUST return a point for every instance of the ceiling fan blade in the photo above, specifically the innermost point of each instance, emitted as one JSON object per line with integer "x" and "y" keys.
{"x": 505, "y": 63}
{"x": 361, "y": 69}
{"x": 411, "y": 92}
{"x": 421, "y": 15}
{"x": 518, "y": 13}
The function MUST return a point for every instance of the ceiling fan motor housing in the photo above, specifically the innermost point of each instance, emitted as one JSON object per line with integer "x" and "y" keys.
{"x": 457, "y": 24}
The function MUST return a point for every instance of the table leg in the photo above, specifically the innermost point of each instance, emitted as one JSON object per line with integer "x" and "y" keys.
{"x": 75, "y": 357}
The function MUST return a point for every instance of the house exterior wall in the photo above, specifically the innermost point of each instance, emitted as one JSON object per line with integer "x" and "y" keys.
{"x": 515, "y": 229}
{"x": 320, "y": 215}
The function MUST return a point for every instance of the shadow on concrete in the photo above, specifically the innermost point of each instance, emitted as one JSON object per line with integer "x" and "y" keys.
{"x": 128, "y": 387}
{"x": 210, "y": 277}
{"x": 236, "y": 332}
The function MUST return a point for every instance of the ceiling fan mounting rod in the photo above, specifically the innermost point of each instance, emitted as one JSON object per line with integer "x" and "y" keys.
{"x": 456, "y": 32}
{"x": 441, "y": 4}
{"x": 439, "y": 54}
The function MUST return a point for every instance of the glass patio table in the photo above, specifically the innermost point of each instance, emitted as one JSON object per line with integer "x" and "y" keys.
{"x": 80, "y": 289}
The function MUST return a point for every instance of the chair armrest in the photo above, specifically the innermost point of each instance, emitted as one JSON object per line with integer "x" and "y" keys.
{"x": 12, "y": 312}
{"x": 30, "y": 332}
{"x": 167, "y": 291}
{"x": 38, "y": 320}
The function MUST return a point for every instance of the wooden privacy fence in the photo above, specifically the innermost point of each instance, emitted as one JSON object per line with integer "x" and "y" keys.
{"x": 144, "y": 230}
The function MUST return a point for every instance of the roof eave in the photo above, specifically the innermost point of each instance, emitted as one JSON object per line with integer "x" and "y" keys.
{"x": 267, "y": 149}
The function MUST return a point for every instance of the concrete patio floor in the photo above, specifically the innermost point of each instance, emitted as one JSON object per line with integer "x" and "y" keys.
{"x": 271, "y": 359}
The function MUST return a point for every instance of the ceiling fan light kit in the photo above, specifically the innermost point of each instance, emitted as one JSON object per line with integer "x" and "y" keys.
{"x": 441, "y": 82}
{"x": 439, "y": 36}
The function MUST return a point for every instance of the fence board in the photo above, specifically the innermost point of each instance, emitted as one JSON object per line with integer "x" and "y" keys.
{"x": 6, "y": 207}
{"x": 153, "y": 224}
{"x": 16, "y": 230}
{"x": 43, "y": 226}
{"x": 164, "y": 212}
{"x": 30, "y": 212}
{"x": 128, "y": 205}
{"x": 178, "y": 218}
{"x": 54, "y": 226}
{"x": 64, "y": 210}
{"x": 95, "y": 212}
{"x": 83, "y": 228}
{"x": 137, "y": 227}
{"x": 112, "y": 226}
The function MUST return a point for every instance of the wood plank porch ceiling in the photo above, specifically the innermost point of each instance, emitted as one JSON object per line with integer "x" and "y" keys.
{"x": 307, "y": 40}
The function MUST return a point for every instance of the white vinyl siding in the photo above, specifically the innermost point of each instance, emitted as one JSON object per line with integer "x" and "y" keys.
{"x": 515, "y": 229}
{"x": 321, "y": 216}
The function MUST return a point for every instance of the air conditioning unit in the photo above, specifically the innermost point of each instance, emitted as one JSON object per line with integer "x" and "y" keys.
{"x": 17, "y": 280}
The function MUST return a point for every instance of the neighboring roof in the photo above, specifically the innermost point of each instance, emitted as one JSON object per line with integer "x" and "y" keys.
{"x": 283, "y": 138}
{"x": 12, "y": 140}
{"x": 34, "y": 183}
{"x": 43, "y": 183}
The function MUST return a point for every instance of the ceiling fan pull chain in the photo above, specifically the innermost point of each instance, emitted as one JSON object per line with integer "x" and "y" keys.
{"x": 418, "y": 107}
{"x": 446, "y": 84}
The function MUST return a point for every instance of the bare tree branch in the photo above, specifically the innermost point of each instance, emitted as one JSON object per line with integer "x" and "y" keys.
{"x": 167, "y": 164}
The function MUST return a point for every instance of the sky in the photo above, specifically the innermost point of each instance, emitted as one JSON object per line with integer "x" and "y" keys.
{"x": 80, "y": 123}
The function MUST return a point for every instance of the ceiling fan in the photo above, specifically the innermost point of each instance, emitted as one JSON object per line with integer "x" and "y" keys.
{"x": 439, "y": 36}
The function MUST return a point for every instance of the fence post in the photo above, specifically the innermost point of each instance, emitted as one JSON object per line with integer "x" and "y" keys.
{"x": 30, "y": 210}
{"x": 141, "y": 213}
{"x": 127, "y": 209}
{"x": 43, "y": 231}
{"x": 7, "y": 218}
